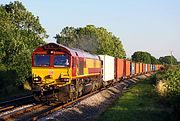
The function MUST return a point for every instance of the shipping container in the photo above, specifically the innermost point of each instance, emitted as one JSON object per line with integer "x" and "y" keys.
{"x": 149, "y": 67}
{"x": 144, "y": 68}
{"x": 132, "y": 68}
{"x": 137, "y": 68}
{"x": 119, "y": 68}
{"x": 158, "y": 66}
{"x": 108, "y": 67}
{"x": 127, "y": 64}
{"x": 154, "y": 67}
{"x": 140, "y": 68}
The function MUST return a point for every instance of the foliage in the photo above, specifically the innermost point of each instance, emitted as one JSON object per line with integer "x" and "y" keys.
{"x": 96, "y": 40}
{"x": 168, "y": 60}
{"x": 144, "y": 57}
{"x": 137, "y": 104}
{"x": 20, "y": 33}
{"x": 170, "y": 78}
{"x": 154, "y": 60}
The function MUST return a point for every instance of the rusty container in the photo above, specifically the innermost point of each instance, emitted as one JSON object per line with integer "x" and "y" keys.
{"x": 127, "y": 69}
{"x": 140, "y": 68}
{"x": 119, "y": 68}
{"x": 158, "y": 66}
{"x": 144, "y": 68}
{"x": 137, "y": 68}
{"x": 149, "y": 67}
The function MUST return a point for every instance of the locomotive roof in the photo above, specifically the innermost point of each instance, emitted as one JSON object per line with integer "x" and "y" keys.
{"x": 71, "y": 51}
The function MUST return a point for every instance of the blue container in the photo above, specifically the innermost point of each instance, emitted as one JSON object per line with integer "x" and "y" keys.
{"x": 154, "y": 67}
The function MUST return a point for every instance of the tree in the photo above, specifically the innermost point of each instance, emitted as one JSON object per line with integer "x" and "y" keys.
{"x": 144, "y": 57}
{"x": 168, "y": 60}
{"x": 140, "y": 56}
{"x": 154, "y": 60}
{"x": 96, "y": 40}
{"x": 20, "y": 33}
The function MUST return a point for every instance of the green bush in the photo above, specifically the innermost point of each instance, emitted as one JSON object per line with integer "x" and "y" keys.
{"x": 168, "y": 86}
{"x": 8, "y": 77}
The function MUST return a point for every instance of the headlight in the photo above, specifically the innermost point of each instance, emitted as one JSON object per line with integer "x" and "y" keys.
{"x": 37, "y": 78}
{"x": 64, "y": 80}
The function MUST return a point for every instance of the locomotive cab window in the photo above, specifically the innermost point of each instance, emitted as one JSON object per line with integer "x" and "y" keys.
{"x": 61, "y": 60}
{"x": 42, "y": 60}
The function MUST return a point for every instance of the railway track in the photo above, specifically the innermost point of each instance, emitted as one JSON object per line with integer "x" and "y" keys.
{"x": 13, "y": 103}
{"x": 36, "y": 111}
{"x": 15, "y": 100}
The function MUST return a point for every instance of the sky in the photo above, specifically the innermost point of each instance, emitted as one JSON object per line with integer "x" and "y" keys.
{"x": 141, "y": 25}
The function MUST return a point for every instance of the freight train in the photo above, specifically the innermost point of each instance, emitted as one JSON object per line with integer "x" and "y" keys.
{"x": 60, "y": 73}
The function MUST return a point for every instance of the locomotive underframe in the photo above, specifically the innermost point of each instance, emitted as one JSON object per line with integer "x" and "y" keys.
{"x": 76, "y": 88}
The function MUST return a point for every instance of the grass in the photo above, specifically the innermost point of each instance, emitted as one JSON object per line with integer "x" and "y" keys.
{"x": 139, "y": 103}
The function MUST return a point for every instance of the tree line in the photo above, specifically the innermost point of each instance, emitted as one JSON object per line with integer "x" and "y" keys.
{"x": 146, "y": 57}
{"x": 20, "y": 33}
{"x": 96, "y": 40}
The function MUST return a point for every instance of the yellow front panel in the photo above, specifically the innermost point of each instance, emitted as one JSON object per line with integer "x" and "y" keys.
{"x": 51, "y": 75}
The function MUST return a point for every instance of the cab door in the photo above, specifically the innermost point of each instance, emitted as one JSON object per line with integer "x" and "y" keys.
{"x": 80, "y": 66}
{"x": 74, "y": 66}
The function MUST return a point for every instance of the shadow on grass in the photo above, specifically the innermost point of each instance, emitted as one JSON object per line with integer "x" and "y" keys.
{"x": 138, "y": 104}
{"x": 124, "y": 114}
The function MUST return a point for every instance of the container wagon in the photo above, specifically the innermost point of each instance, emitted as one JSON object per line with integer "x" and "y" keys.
{"x": 119, "y": 68}
{"x": 107, "y": 68}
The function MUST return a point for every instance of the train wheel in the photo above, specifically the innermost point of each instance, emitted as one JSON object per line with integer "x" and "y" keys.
{"x": 36, "y": 97}
{"x": 73, "y": 92}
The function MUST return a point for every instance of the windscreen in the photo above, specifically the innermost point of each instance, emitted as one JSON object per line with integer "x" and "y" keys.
{"x": 61, "y": 60}
{"x": 42, "y": 60}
